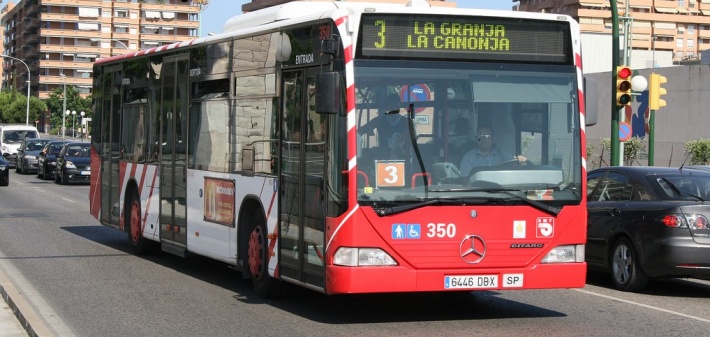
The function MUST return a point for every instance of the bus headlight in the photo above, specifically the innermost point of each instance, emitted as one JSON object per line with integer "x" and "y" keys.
{"x": 353, "y": 257}
{"x": 565, "y": 254}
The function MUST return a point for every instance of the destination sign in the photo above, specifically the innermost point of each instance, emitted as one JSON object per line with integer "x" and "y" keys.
{"x": 464, "y": 38}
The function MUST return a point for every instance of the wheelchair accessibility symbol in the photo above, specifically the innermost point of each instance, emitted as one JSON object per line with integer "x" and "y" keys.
{"x": 406, "y": 231}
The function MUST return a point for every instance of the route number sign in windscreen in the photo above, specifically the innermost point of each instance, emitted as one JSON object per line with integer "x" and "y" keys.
{"x": 465, "y": 38}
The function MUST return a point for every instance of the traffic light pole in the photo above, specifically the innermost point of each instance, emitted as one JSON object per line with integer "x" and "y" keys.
{"x": 651, "y": 137}
{"x": 614, "y": 150}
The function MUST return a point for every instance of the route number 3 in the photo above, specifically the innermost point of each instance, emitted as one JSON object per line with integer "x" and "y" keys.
{"x": 390, "y": 174}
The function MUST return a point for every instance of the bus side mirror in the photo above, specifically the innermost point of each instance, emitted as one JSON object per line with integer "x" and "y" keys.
{"x": 328, "y": 92}
{"x": 590, "y": 101}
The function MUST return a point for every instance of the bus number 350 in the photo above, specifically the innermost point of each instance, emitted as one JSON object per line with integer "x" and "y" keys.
{"x": 441, "y": 230}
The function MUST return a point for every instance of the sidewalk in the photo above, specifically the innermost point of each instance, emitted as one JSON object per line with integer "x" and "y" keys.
{"x": 9, "y": 324}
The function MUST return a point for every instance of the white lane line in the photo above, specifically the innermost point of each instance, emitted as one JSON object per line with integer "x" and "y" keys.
{"x": 645, "y": 306}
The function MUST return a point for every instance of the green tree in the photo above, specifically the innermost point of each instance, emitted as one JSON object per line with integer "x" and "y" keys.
{"x": 55, "y": 104}
{"x": 14, "y": 107}
{"x": 699, "y": 149}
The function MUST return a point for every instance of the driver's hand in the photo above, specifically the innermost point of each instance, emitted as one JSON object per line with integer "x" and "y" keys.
{"x": 521, "y": 159}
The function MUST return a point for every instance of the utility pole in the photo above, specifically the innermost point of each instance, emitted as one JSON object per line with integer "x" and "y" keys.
{"x": 614, "y": 149}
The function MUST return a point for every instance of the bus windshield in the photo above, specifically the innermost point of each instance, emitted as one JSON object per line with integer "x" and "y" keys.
{"x": 481, "y": 131}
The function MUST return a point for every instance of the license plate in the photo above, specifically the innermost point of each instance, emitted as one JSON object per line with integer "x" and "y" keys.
{"x": 86, "y": 173}
{"x": 471, "y": 282}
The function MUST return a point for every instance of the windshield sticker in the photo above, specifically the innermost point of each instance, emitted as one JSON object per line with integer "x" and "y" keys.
{"x": 519, "y": 229}
{"x": 545, "y": 227}
{"x": 540, "y": 195}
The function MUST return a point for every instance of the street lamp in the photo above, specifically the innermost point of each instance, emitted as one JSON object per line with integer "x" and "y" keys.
{"x": 27, "y": 117}
{"x": 121, "y": 43}
{"x": 66, "y": 113}
{"x": 82, "y": 125}
{"x": 73, "y": 126}
{"x": 64, "y": 107}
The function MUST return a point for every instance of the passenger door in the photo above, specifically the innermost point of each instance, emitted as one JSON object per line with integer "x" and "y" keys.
{"x": 110, "y": 153}
{"x": 173, "y": 144}
{"x": 302, "y": 213}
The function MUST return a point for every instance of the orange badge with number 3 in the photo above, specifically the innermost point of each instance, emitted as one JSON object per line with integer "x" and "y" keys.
{"x": 390, "y": 173}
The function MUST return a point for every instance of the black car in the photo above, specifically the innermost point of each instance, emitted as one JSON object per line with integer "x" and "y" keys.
{"x": 73, "y": 163}
{"x": 47, "y": 159}
{"x": 4, "y": 171}
{"x": 27, "y": 154}
{"x": 648, "y": 222}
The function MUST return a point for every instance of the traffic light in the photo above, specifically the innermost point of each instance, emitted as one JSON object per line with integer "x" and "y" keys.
{"x": 655, "y": 91}
{"x": 623, "y": 85}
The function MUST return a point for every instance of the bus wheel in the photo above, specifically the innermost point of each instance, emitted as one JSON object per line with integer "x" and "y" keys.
{"x": 258, "y": 262}
{"x": 132, "y": 219}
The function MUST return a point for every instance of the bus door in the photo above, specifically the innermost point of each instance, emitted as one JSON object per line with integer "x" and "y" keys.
{"x": 302, "y": 216}
{"x": 110, "y": 152}
{"x": 173, "y": 145}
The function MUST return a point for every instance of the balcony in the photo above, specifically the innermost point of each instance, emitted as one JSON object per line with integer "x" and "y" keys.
{"x": 45, "y": 48}
{"x": 97, "y": 3}
{"x": 69, "y": 80}
{"x": 86, "y": 34}
{"x": 45, "y": 64}
{"x": 32, "y": 39}
{"x": 171, "y": 8}
{"x": 32, "y": 24}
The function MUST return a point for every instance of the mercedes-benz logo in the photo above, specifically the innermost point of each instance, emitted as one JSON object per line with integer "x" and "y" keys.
{"x": 472, "y": 249}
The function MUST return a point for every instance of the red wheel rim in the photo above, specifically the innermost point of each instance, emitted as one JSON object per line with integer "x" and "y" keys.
{"x": 256, "y": 246}
{"x": 135, "y": 221}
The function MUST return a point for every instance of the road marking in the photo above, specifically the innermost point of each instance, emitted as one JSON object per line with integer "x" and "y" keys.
{"x": 645, "y": 306}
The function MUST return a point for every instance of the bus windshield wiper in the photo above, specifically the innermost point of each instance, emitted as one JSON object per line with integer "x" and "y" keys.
{"x": 408, "y": 207}
{"x": 534, "y": 203}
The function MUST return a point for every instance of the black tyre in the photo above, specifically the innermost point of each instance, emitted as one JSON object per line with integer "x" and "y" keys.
{"x": 47, "y": 174}
{"x": 258, "y": 260}
{"x": 58, "y": 176}
{"x": 132, "y": 221}
{"x": 626, "y": 274}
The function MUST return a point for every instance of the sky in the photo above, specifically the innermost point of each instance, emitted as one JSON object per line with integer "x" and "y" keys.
{"x": 219, "y": 11}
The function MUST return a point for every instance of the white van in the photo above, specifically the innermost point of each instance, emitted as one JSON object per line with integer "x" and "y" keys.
{"x": 11, "y": 137}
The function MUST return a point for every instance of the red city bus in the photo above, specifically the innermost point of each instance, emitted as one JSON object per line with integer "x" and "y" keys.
{"x": 338, "y": 146}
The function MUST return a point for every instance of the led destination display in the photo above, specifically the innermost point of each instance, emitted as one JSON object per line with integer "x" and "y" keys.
{"x": 465, "y": 38}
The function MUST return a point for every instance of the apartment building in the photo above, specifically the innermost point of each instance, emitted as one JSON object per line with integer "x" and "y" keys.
{"x": 679, "y": 28}
{"x": 261, "y": 4}
{"x": 59, "y": 40}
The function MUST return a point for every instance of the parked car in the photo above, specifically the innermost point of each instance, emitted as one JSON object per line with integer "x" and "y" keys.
{"x": 47, "y": 159}
{"x": 27, "y": 154}
{"x": 4, "y": 171}
{"x": 648, "y": 222}
{"x": 73, "y": 163}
